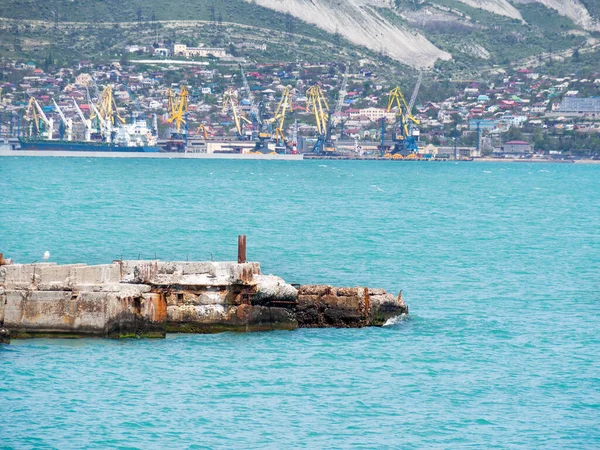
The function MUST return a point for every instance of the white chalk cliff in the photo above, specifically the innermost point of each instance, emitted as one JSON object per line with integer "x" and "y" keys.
{"x": 363, "y": 23}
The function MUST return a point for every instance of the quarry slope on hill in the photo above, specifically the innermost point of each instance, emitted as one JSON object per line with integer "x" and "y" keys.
{"x": 573, "y": 9}
{"x": 381, "y": 25}
{"x": 362, "y": 23}
{"x": 501, "y": 7}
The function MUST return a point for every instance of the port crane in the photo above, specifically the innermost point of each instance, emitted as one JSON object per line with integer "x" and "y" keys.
{"x": 279, "y": 118}
{"x": 317, "y": 104}
{"x": 36, "y": 114}
{"x": 255, "y": 115}
{"x": 335, "y": 117}
{"x": 178, "y": 107}
{"x": 407, "y": 135}
{"x": 413, "y": 97}
{"x": 87, "y": 123}
{"x": 106, "y": 108}
{"x": 106, "y": 126}
{"x": 230, "y": 103}
{"x": 203, "y": 130}
{"x": 68, "y": 123}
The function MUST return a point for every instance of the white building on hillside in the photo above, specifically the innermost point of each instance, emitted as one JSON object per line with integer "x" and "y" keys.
{"x": 202, "y": 52}
{"x": 373, "y": 114}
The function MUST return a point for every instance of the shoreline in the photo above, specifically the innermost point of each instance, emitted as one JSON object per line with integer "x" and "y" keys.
{"x": 518, "y": 160}
{"x": 253, "y": 156}
{"x": 70, "y": 154}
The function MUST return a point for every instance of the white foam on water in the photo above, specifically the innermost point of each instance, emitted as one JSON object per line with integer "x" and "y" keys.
{"x": 395, "y": 320}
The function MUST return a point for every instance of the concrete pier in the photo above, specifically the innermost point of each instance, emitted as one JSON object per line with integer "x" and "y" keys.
{"x": 151, "y": 298}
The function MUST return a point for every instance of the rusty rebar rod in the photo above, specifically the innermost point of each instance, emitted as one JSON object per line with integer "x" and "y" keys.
{"x": 241, "y": 248}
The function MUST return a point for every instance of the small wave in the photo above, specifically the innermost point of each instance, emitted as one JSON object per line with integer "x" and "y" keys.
{"x": 322, "y": 165}
{"x": 487, "y": 171}
{"x": 395, "y": 320}
{"x": 545, "y": 171}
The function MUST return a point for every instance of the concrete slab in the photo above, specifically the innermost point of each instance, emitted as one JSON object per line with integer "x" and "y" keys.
{"x": 106, "y": 273}
{"x": 39, "y": 310}
{"x": 22, "y": 275}
{"x": 187, "y": 273}
{"x": 57, "y": 277}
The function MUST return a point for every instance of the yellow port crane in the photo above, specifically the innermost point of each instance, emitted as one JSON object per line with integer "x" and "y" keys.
{"x": 230, "y": 103}
{"x": 107, "y": 108}
{"x": 405, "y": 140}
{"x": 279, "y": 118}
{"x": 178, "y": 107}
{"x": 202, "y": 129}
{"x": 36, "y": 114}
{"x": 317, "y": 104}
{"x": 396, "y": 97}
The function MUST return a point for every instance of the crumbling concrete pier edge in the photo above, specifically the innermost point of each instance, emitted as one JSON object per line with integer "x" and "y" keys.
{"x": 140, "y": 298}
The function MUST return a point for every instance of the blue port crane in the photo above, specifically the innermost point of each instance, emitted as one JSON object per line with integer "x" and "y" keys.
{"x": 316, "y": 103}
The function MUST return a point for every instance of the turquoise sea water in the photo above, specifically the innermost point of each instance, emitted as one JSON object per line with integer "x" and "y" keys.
{"x": 499, "y": 263}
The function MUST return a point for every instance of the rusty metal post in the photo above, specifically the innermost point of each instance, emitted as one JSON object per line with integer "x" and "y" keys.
{"x": 1, "y": 259}
{"x": 241, "y": 248}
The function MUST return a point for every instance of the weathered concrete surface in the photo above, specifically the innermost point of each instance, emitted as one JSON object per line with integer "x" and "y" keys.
{"x": 326, "y": 306}
{"x": 150, "y": 298}
{"x": 142, "y": 298}
{"x": 41, "y": 300}
{"x": 213, "y": 297}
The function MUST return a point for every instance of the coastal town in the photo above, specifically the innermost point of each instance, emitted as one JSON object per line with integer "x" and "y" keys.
{"x": 205, "y": 99}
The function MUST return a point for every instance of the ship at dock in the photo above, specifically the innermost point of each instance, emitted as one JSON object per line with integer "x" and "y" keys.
{"x": 104, "y": 131}
{"x": 81, "y": 146}
{"x": 133, "y": 137}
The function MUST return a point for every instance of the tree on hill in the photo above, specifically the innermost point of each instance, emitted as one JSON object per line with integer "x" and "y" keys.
{"x": 514, "y": 134}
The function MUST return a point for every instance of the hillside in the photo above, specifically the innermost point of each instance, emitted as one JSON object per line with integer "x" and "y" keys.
{"x": 400, "y": 28}
{"x": 452, "y": 34}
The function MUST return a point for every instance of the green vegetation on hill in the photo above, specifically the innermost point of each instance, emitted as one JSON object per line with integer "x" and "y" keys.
{"x": 237, "y": 11}
{"x": 593, "y": 6}
{"x": 99, "y": 29}
{"x": 508, "y": 41}
{"x": 89, "y": 29}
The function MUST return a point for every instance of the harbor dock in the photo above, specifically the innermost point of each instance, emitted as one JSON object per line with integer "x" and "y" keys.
{"x": 166, "y": 155}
